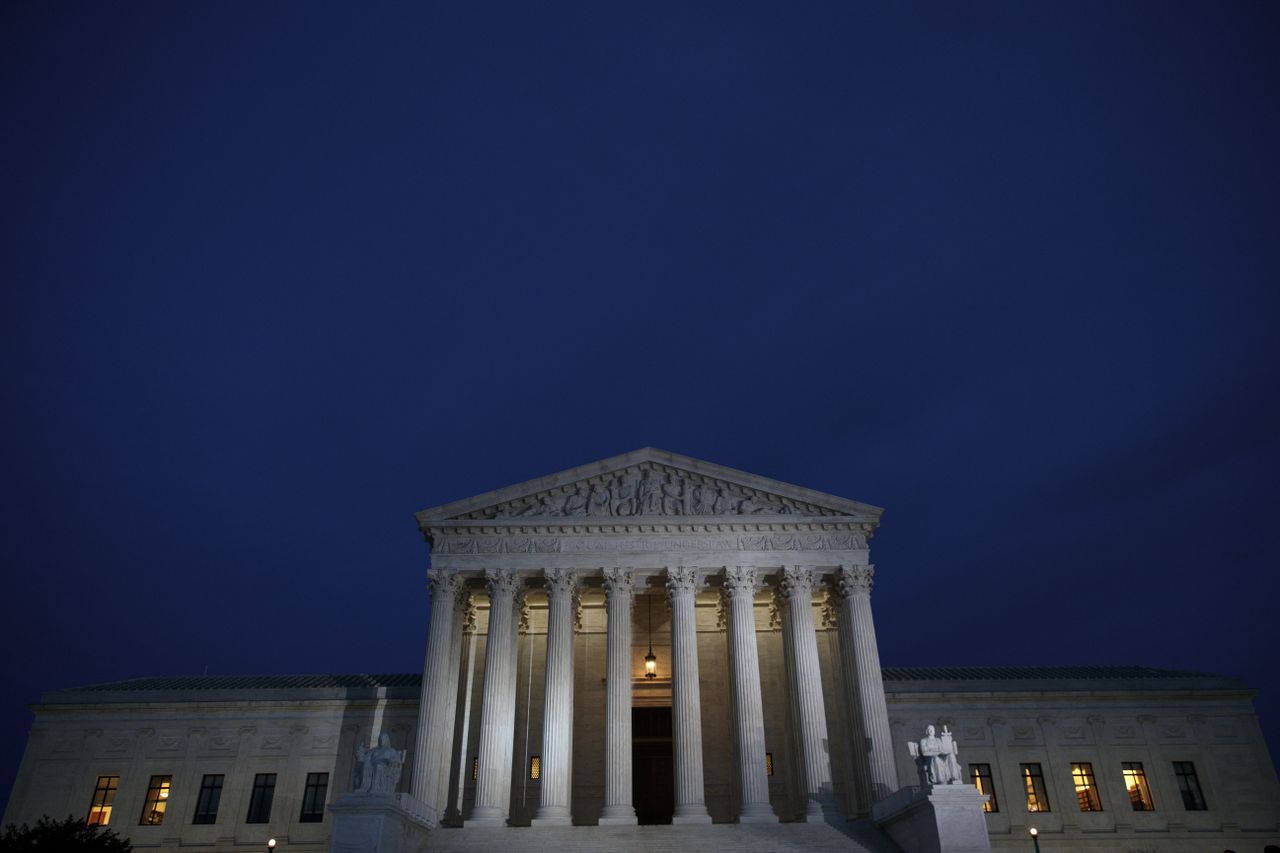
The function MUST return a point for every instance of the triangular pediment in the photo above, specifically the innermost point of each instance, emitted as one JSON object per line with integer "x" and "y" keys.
{"x": 642, "y": 484}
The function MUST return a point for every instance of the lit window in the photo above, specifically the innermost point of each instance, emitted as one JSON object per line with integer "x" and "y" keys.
{"x": 104, "y": 794}
{"x": 981, "y": 776}
{"x": 535, "y": 767}
{"x": 768, "y": 763}
{"x": 1189, "y": 785}
{"x": 264, "y": 791}
{"x": 313, "y": 798}
{"x": 1135, "y": 779}
{"x": 1033, "y": 782}
{"x": 210, "y": 796}
{"x": 1086, "y": 787}
{"x": 475, "y": 767}
{"x": 157, "y": 800}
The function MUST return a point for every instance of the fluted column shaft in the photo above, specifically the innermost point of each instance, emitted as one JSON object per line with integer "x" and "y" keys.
{"x": 498, "y": 705}
{"x": 859, "y": 771}
{"x": 557, "y": 713}
{"x": 686, "y": 716}
{"x": 619, "y": 589}
{"x": 434, "y": 736}
{"x": 461, "y": 603}
{"x": 797, "y": 591}
{"x": 740, "y": 587}
{"x": 854, "y": 586}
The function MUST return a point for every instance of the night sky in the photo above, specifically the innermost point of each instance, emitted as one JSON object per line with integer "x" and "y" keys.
{"x": 275, "y": 276}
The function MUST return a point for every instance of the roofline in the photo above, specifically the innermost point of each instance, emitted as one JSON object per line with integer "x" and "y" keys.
{"x": 444, "y": 512}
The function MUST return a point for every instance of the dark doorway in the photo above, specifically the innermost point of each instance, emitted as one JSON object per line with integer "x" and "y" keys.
{"x": 652, "y": 765}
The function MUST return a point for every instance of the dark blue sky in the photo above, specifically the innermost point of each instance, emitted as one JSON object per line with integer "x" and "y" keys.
{"x": 275, "y": 276}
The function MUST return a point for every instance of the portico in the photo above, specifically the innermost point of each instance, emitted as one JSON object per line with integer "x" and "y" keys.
{"x": 534, "y": 619}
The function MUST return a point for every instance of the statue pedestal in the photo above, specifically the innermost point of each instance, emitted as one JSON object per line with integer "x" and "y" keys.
{"x": 941, "y": 819}
{"x": 378, "y": 823}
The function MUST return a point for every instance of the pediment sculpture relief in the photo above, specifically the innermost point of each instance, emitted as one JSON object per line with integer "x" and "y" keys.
{"x": 647, "y": 490}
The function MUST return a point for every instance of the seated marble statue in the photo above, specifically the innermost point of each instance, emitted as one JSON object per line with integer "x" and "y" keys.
{"x": 936, "y": 758}
{"x": 378, "y": 770}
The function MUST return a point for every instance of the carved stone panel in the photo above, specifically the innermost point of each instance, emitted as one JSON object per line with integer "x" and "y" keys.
{"x": 648, "y": 489}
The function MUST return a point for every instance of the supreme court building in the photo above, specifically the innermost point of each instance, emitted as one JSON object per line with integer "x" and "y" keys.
{"x": 656, "y": 652}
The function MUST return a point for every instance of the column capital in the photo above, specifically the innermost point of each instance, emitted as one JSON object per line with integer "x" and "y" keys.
{"x": 854, "y": 580}
{"x": 619, "y": 582}
{"x": 444, "y": 583}
{"x": 682, "y": 580}
{"x": 741, "y": 580}
{"x": 502, "y": 582}
{"x": 561, "y": 582}
{"x": 796, "y": 580}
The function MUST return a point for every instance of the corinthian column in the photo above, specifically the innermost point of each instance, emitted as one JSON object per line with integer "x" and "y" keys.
{"x": 619, "y": 590}
{"x": 434, "y": 738}
{"x": 797, "y": 593}
{"x": 498, "y": 705}
{"x": 557, "y": 713}
{"x": 461, "y": 607}
{"x": 686, "y": 718}
{"x": 866, "y": 688}
{"x": 744, "y": 660}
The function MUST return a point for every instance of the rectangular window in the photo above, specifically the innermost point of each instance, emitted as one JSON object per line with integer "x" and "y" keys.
{"x": 104, "y": 794}
{"x": 264, "y": 791}
{"x": 1086, "y": 787}
{"x": 1189, "y": 785}
{"x": 157, "y": 799}
{"x": 768, "y": 763}
{"x": 313, "y": 798}
{"x": 535, "y": 767}
{"x": 981, "y": 776}
{"x": 1033, "y": 782}
{"x": 207, "y": 802}
{"x": 1135, "y": 779}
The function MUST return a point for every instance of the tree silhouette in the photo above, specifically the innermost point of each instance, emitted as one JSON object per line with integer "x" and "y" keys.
{"x": 65, "y": 836}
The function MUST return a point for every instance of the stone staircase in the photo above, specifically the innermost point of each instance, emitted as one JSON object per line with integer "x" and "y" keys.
{"x": 853, "y": 837}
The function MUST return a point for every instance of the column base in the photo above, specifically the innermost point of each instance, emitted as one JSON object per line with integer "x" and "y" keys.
{"x": 552, "y": 817}
{"x": 757, "y": 813}
{"x": 693, "y": 814}
{"x": 618, "y": 815}
{"x": 486, "y": 816}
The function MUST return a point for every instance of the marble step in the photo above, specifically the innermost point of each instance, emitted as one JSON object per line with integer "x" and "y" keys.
{"x": 740, "y": 838}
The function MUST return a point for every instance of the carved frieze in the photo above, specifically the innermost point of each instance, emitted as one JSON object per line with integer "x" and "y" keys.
{"x": 482, "y": 544}
{"x": 648, "y": 489}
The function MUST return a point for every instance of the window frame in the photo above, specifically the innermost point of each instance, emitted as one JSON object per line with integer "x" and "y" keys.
{"x": 156, "y": 803}
{"x": 1184, "y": 790}
{"x": 102, "y": 802}
{"x": 209, "y": 799}
{"x": 261, "y": 798}
{"x": 1085, "y": 783}
{"x": 1033, "y": 788}
{"x": 986, "y": 784}
{"x": 314, "y": 794}
{"x": 1145, "y": 802}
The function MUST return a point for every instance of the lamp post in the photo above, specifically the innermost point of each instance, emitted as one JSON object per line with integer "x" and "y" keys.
{"x": 650, "y": 662}
{"x": 1035, "y": 837}
{"x": 271, "y": 845}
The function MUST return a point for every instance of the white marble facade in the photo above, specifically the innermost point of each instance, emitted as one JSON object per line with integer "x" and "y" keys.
{"x": 702, "y": 539}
